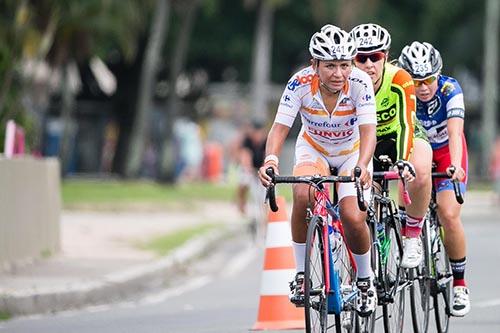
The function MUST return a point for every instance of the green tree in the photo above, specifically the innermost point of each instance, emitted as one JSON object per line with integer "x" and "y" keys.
{"x": 87, "y": 28}
{"x": 149, "y": 70}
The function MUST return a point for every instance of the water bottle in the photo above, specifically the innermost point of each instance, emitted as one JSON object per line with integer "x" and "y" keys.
{"x": 332, "y": 211}
{"x": 334, "y": 236}
{"x": 380, "y": 232}
{"x": 433, "y": 236}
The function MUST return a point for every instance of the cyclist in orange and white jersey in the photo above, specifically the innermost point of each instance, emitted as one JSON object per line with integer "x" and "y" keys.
{"x": 399, "y": 135}
{"x": 337, "y": 108}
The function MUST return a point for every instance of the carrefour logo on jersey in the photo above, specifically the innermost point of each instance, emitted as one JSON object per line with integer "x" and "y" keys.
{"x": 351, "y": 122}
{"x": 299, "y": 80}
{"x": 326, "y": 124}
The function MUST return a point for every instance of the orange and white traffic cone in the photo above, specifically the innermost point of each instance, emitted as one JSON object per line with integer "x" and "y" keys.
{"x": 275, "y": 310}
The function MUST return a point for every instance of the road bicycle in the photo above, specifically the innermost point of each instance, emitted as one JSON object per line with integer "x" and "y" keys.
{"x": 391, "y": 279}
{"x": 330, "y": 269}
{"x": 432, "y": 279}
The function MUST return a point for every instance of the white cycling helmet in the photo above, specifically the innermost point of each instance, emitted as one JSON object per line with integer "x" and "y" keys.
{"x": 332, "y": 43}
{"x": 421, "y": 60}
{"x": 371, "y": 37}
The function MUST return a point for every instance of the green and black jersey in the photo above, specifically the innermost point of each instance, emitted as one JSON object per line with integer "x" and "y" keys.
{"x": 396, "y": 105}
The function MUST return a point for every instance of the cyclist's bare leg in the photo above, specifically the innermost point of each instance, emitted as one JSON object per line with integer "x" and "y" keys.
{"x": 449, "y": 216}
{"x": 455, "y": 244}
{"x": 242, "y": 196}
{"x": 420, "y": 195}
{"x": 420, "y": 188}
{"x": 358, "y": 239}
{"x": 355, "y": 227}
{"x": 301, "y": 195}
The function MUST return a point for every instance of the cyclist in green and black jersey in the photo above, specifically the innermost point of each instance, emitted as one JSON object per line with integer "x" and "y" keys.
{"x": 398, "y": 134}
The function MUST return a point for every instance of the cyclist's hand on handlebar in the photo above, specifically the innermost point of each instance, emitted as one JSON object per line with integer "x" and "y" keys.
{"x": 455, "y": 172}
{"x": 365, "y": 178}
{"x": 264, "y": 177}
{"x": 406, "y": 169}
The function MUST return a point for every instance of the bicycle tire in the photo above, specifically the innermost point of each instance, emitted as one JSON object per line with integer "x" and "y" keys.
{"x": 393, "y": 276}
{"x": 443, "y": 283}
{"x": 345, "y": 321}
{"x": 420, "y": 289}
{"x": 315, "y": 298}
{"x": 365, "y": 324}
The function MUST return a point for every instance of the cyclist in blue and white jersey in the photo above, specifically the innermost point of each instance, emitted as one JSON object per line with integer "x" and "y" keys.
{"x": 441, "y": 110}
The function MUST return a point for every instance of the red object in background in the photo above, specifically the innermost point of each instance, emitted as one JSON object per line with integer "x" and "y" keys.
{"x": 213, "y": 162}
{"x": 19, "y": 141}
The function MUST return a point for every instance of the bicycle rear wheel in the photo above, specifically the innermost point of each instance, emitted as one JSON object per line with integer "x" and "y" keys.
{"x": 394, "y": 279}
{"x": 420, "y": 289}
{"x": 315, "y": 298}
{"x": 442, "y": 284}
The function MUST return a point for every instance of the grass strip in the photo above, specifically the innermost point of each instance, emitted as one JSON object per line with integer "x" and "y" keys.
{"x": 165, "y": 244}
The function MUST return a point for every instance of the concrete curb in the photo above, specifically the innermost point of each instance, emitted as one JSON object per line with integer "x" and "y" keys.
{"x": 112, "y": 287}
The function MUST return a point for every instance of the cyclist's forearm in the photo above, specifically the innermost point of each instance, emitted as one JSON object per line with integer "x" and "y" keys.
{"x": 276, "y": 138}
{"x": 407, "y": 124}
{"x": 367, "y": 142}
{"x": 455, "y": 130}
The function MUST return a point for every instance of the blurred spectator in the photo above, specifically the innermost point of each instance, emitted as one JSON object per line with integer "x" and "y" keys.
{"x": 250, "y": 150}
{"x": 190, "y": 149}
{"x": 111, "y": 132}
{"x": 495, "y": 169}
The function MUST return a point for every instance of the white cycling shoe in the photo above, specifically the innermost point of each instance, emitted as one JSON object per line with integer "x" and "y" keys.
{"x": 366, "y": 300}
{"x": 412, "y": 252}
{"x": 461, "y": 303}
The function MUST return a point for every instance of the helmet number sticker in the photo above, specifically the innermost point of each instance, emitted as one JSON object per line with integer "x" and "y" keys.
{"x": 338, "y": 49}
{"x": 365, "y": 41}
{"x": 422, "y": 69}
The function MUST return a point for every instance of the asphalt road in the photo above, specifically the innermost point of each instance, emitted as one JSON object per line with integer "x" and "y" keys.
{"x": 221, "y": 293}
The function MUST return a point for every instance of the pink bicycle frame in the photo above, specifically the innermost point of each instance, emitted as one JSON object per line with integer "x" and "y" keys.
{"x": 321, "y": 198}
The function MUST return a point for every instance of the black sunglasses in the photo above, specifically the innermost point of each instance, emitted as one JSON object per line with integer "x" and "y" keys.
{"x": 374, "y": 57}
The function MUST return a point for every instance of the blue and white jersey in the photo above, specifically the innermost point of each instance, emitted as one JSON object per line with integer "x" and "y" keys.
{"x": 448, "y": 102}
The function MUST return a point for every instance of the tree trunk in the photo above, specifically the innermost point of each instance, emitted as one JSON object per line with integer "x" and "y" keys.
{"x": 67, "y": 107}
{"x": 146, "y": 87}
{"x": 262, "y": 56}
{"x": 167, "y": 156}
{"x": 490, "y": 68}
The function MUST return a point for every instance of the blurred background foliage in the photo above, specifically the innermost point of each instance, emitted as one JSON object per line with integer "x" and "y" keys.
{"x": 101, "y": 83}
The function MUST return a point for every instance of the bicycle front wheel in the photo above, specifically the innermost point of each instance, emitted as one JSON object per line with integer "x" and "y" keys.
{"x": 420, "y": 289}
{"x": 315, "y": 297}
{"x": 442, "y": 284}
{"x": 394, "y": 279}
{"x": 345, "y": 321}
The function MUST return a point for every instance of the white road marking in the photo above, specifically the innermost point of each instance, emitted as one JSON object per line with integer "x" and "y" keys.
{"x": 179, "y": 290}
{"x": 239, "y": 262}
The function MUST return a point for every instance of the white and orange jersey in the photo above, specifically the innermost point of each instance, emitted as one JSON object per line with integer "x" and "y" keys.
{"x": 331, "y": 134}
